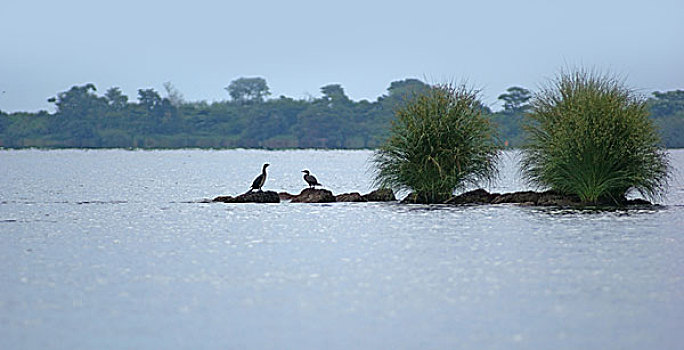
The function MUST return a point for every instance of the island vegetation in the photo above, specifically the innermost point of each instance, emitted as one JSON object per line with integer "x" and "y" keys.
{"x": 250, "y": 117}
{"x": 440, "y": 142}
{"x": 589, "y": 142}
{"x": 590, "y": 136}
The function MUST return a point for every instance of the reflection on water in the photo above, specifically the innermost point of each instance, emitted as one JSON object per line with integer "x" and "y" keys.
{"x": 601, "y": 211}
{"x": 115, "y": 249}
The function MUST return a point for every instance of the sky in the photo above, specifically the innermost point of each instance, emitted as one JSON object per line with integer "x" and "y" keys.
{"x": 200, "y": 46}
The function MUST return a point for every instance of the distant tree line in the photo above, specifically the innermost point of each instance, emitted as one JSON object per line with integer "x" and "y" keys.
{"x": 250, "y": 119}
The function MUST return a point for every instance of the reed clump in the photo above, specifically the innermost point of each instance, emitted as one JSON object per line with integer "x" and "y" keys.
{"x": 439, "y": 142}
{"x": 590, "y": 136}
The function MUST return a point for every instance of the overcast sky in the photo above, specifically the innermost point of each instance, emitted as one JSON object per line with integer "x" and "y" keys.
{"x": 200, "y": 46}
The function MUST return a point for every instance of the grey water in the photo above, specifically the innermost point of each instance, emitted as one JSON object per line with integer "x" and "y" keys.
{"x": 117, "y": 249}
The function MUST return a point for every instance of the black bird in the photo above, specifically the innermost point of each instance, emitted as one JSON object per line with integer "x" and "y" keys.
{"x": 310, "y": 179}
{"x": 260, "y": 180}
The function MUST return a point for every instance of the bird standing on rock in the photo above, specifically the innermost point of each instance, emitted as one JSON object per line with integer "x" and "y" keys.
{"x": 260, "y": 180}
{"x": 310, "y": 179}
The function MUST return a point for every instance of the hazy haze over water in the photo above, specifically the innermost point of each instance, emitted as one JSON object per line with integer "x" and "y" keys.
{"x": 300, "y": 46}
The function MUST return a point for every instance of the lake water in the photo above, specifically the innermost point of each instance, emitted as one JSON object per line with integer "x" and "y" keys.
{"x": 114, "y": 249}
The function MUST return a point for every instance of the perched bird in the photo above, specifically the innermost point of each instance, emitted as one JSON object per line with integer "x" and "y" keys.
{"x": 310, "y": 179}
{"x": 260, "y": 180}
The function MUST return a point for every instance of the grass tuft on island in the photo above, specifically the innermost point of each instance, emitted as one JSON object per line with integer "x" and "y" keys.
{"x": 439, "y": 142}
{"x": 590, "y": 137}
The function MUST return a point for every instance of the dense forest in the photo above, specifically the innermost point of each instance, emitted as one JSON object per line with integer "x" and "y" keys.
{"x": 250, "y": 118}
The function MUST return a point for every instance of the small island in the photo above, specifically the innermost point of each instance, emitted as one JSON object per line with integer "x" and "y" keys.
{"x": 474, "y": 197}
{"x": 309, "y": 195}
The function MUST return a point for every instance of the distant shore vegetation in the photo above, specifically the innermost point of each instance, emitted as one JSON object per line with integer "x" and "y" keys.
{"x": 250, "y": 117}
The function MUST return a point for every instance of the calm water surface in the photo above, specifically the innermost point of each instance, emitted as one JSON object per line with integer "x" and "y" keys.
{"x": 114, "y": 249}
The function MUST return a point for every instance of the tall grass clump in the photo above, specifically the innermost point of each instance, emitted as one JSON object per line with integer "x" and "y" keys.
{"x": 438, "y": 143}
{"x": 590, "y": 136}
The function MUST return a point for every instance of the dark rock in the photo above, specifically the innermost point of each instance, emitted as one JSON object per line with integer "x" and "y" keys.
{"x": 517, "y": 197}
{"x": 350, "y": 197}
{"x": 548, "y": 198}
{"x": 481, "y": 196}
{"x": 251, "y": 197}
{"x": 414, "y": 198}
{"x": 224, "y": 199}
{"x": 314, "y": 195}
{"x": 478, "y": 196}
{"x": 552, "y": 198}
{"x": 380, "y": 195}
{"x": 637, "y": 201}
{"x": 472, "y": 197}
{"x": 284, "y": 196}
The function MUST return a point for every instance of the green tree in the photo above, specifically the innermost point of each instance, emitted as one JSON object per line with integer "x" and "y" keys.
{"x": 515, "y": 99}
{"x": 248, "y": 90}
{"x": 401, "y": 91}
{"x": 149, "y": 99}
{"x": 382, "y": 112}
{"x": 4, "y": 122}
{"x": 334, "y": 96}
{"x": 326, "y": 122}
{"x": 667, "y": 103}
{"x": 78, "y": 112}
{"x": 319, "y": 126}
{"x": 160, "y": 115}
{"x": 116, "y": 99}
{"x": 174, "y": 96}
{"x": 77, "y": 101}
{"x": 667, "y": 109}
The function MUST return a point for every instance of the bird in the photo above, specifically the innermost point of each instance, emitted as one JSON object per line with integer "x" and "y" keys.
{"x": 310, "y": 179}
{"x": 260, "y": 180}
